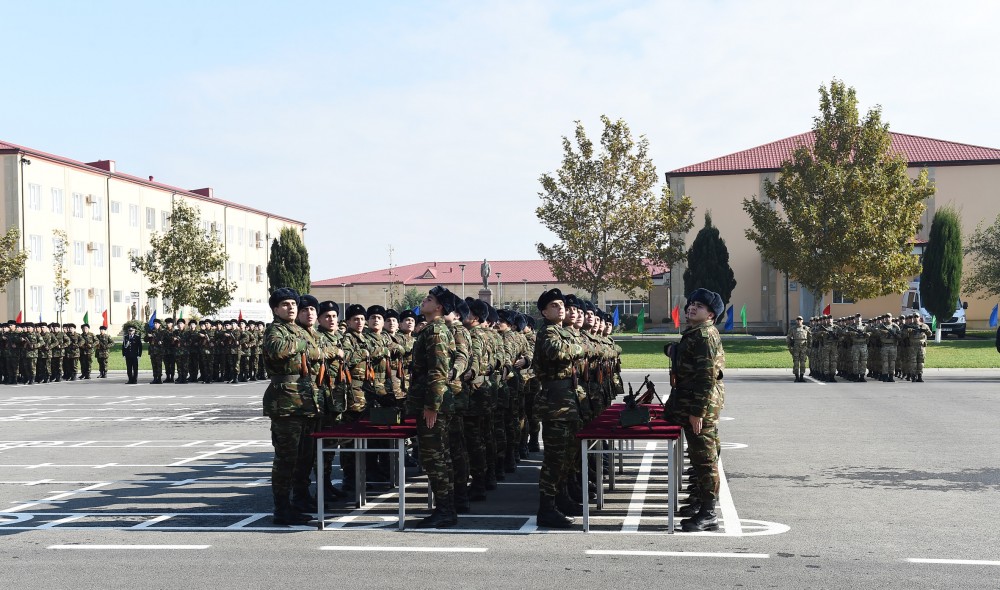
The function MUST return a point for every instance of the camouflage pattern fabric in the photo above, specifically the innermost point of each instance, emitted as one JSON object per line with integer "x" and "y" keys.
{"x": 291, "y": 391}
{"x": 557, "y": 404}
{"x": 558, "y": 462}
{"x": 288, "y": 434}
{"x": 433, "y": 350}
{"x": 799, "y": 340}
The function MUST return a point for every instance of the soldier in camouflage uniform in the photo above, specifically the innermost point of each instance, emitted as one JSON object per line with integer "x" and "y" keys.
{"x": 381, "y": 351}
{"x": 476, "y": 388}
{"x": 532, "y": 426}
{"x": 30, "y": 345}
{"x": 154, "y": 346}
{"x": 71, "y": 353}
{"x": 510, "y": 416}
{"x": 799, "y": 340}
{"x": 456, "y": 425}
{"x": 44, "y": 354}
{"x": 56, "y": 350}
{"x": 261, "y": 372}
{"x": 229, "y": 341}
{"x": 181, "y": 351}
{"x": 330, "y": 389}
{"x": 558, "y": 406}
{"x": 431, "y": 401}
{"x": 206, "y": 352}
{"x": 888, "y": 335}
{"x": 696, "y": 400}
{"x": 102, "y": 348}
{"x": 356, "y": 369}
{"x": 859, "y": 349}
{"x": 87, "y": 342}
{"x": 169, "y": 342}
{"x": 918, "y": 334}
{"x": 14, "y": 352}
{"x": 4, "y": 331}
{"x": 290, "y": 401}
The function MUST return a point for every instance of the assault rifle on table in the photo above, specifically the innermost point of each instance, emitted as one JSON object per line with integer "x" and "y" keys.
{"x": 635, "y": 412}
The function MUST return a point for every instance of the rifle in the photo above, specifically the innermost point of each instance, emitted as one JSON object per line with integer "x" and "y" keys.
{"x": 635, "y": 414}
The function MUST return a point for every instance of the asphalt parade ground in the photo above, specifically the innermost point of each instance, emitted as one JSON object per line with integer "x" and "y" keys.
{"x": 825, "y": 485}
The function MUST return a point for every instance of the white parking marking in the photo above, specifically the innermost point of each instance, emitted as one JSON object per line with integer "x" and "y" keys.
{"x": 405, "y": 549}
{"x": 953, "y": 561}
{"x": 728, "y": 507}
{"x": 677, "y": 554}
{"x": 119, "y": 547}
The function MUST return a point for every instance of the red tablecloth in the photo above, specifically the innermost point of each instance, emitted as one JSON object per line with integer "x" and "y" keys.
{"x": 606, "y": 426}
{"x": 365, "y": 429}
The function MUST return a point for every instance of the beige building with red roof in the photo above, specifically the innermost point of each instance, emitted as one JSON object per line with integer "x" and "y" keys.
{"x": 107, "y": 215}
{"x": 967, "y": 177}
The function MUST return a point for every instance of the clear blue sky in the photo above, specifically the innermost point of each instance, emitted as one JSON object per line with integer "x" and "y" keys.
{"x": 369, "y": 119}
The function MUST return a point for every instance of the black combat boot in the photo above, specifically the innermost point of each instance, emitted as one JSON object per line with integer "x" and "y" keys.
{"x": 565, "y": 503}
{"x": 510, "y": 460}
{"x": 919, "y": 379}
{"x": 549, "y": 516}
{"x": 443, "y": 516}
{"x": 690, "y": 510}
{"x": 284, "y": 514}
{"x": 861, "y": 378}
{"x": 477, "y": 491}
{"x": 303, "y": 501}
{"x": 533, "y": 443}
{"x": 461, "y": 500}
{"x": 705, "y": 520}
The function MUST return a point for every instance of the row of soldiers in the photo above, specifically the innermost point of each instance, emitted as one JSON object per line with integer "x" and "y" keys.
{"x": 883, "y": 348}
{"x": 41, "y": 353}
{"x": 209, "y": 351}
{"x": 463, "y": 368}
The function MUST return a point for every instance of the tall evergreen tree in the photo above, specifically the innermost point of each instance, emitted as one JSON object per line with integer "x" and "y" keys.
{"x": 289, "y": 263}
{"x": 941, "y": 278}
{"x": 708, "y": 263}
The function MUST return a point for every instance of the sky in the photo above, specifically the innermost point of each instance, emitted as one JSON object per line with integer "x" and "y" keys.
{"x": 425, "y": 126}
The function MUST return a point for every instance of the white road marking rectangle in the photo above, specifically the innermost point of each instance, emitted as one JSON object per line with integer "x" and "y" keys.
{"x": 405, "y": 549}
{"x": 953, "y": 561}
{"x": 676, "y": 554}
{"x": 115, "y": 547}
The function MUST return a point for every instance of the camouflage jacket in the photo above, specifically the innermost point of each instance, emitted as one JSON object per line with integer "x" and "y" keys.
{"x": 71, "y": 348}
{"x": 103, "y": 346}
{"x": 699, "y": 361}
{"x": 433, "y": 350}
{"x": 798, "y": 336}
{"x": 288, "y": 351}
{"x": 557, "y": 353}
{"x": 87, "y": 343}
{"x": 355, "y": 347}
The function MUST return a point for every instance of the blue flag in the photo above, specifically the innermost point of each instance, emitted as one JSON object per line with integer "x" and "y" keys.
{"x": 993, "y": 316}
{"x": 416, "y": 310}
{"x": 152, "y": 319}
{"x": 729, "y": 319}
{"x": 614, "y": 317}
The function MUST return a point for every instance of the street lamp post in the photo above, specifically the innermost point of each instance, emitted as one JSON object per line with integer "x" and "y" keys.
{"x": 343, "y": 293}
{"x": 385, "y": 302}
{"x": 462, "y": 266}
{"x": 499, "y": 289}
{"x": 524, "y": 303}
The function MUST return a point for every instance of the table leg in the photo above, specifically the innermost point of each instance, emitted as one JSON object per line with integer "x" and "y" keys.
{"x": 671, "y": 484}
{"x": 400, "y": 479}
{"x": 584, "y": 448}
{"x": 600, "y": 476}
{"x": 320, "y": 512}
{"x": 360, "y": 482}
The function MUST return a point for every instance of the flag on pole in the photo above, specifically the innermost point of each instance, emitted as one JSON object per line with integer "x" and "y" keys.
{"x": 826, "y": 310}
{"x": 86, "y": 318}
{"x": 934, "y": 323}
{"x": 640, "y": 323}
{"x": 104, "y": 318}
{"x": 729, "y": 319}
{"x": 18, "y": 318}
{"x": 743, "y": 316}
{"x": 675, "y": 315}
{"x": 416, "y": 310}
{"x": 614, "y": 317}
{"x": 152, "y": 319}
{"x": 39, "y": 318}
{"x": 993, "y": 316}
{"x": 180, "y": 314}
{"x": 240, "y": 317}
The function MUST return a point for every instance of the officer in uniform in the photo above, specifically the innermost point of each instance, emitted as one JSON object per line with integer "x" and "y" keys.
{"x": 696, "y": 400}
{"x": 132, "y": 350}
{"x": 799, "y": 340}
{"x": 102, "y": 348}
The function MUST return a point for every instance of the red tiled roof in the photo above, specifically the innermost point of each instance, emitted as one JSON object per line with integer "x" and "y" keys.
{"x": 919, "y": 151}
{"x": 6, "y": 146}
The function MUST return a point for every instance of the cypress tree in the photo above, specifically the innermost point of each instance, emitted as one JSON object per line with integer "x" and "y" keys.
{"x": 941, "y": 276}
{"x": 289, "y": 262}
{"x": 708, "y": 263}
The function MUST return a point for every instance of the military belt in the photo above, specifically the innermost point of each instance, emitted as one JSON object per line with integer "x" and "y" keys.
{"x": 275, "y": 379}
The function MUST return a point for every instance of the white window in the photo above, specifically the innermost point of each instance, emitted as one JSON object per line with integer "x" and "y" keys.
{"x": 133, "y": 215}
{"x": 230, "y": 270}
{"x": 116, "y": 251}
{"x": 164, "y": 220}
{"x": 150, "y": 218}
{"x": 99, "y": 299}
{"x": 35, "y": 196}
{"x": 35, "y": 305}
{"x": 133, "y": 252}
{"x": 79, "y": 300}
{"x": 116, "y": 296}
{"x": 230, "y": 234}
{"x": 97, "y": 209}
{"x": 839, "y": 297}
{"x": 241, "y": 271}
{"x": 57, "y": 201}
{"x": 77, "y": 205}
{"x": 78, "y": 253}
{"x": 116, "y": 207}
{"x": 35, "y": 247}
{"x": 98, "y": 250}
{"x": 239, "y": 236}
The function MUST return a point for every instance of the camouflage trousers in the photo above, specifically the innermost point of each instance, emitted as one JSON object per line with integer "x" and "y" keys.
{"x": 532, "y": 387}
{"x": 28, "y": 368}
{"x": 289, "y": 436}
{"x": 102, "y": 365}
{"x": 459, "y": 455}
{"x": 830, "y": 357}
{"x": 919, "y": 355}
{"x": 42, "y": 369}
{"x": 156, "y": 360}
{"x": 703, "y": 452}
{"x": 435, "y": 453}
{"x": 86, "y": 361}
{"x": 859, "y": 358}
{"x": 474, "y": 446}
{"x": 170, "y": 364}
{"x": 206, "y": 361}
{"x": 798, "y": 360}
{"x": 70, "y": 367}
{"x": 888, "y": 360}
{"x": 181, "y": 361}
{"x": 560, "y": 452}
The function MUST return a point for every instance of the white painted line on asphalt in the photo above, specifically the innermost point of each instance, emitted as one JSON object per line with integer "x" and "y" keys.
{"x": 953, "y": 561}
{"x": 152, "y": 521}
{"x": 677, "y": 554}
{"x": 638, "y": 498}
{"x": 117, "y": 547}
{"x": 405, "y": 549}
{"x": 808, "y": 378}
{"x": 730, "y": 518}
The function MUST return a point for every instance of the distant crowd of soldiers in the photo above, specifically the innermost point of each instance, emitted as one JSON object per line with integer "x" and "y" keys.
{"x": 884, "y": 348}
{"x": 33, "y": 353}
{"x": 206, "y": 351}
{"x": 462, "y": 367}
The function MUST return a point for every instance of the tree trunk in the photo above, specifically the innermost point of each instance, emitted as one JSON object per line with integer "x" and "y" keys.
{"x": 937, "y": 335}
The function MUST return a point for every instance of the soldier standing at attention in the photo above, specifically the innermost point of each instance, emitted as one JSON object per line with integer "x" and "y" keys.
{"x": 556, "y": 405}
{"x": 431, "y": 401}
{"x": 697, "y": 399}
{"x": 476, "y": 387}
{"x": 918, "y": 341}
{"x": 71, "y": 357}
{"x": 155, "y": 346}
{"x": 101, "y": 349}
{"x": 44, "y": 354}
{"x": 57, "y": 339}
{"x": 87, "y": 342}
{"x": 30, "y": 358}
{"x": 330, "y": 388}
{"x": 132, "y": 350}
{"x": 888, "y": 335}
{"x": 206, "y": 355}
{"x": 289, "y": 400}
{"x": 170, "y": 343}
{"x": 799, "y": 340}
{"x": 355, "y": 346}
{"x": 180, "y": 352}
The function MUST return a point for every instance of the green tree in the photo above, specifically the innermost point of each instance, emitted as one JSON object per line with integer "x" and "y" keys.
{"x": 941, "y": 278}
{"x": 843, "y": 211}
{"x": 708, "y": 263}
{"x": 12, "y": 258}
{"x": 289, "y": 263}
{"x": 60, "y": 278}
{"x": 411, "y": 298}
{"x": 609, "y": 220}
{"x": 184, "y": 265}
{"x": 984, "y": 247}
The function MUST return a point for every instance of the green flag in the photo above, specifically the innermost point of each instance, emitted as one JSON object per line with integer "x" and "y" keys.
{"x": 180, "y": 314}
{"x": 86, "y": 318}
{"x": 640, "y": 324}
{"x": 934, "y": 323}
{"x": 743, "y": 315}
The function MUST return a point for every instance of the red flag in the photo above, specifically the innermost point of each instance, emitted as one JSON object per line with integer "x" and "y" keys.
{"x": 826, "y": 310}
{"x": 676, "y": 316}
{"x": 104, "y": 315}
{"x": 241, "y": 315}
{"x": 18, "y": 319}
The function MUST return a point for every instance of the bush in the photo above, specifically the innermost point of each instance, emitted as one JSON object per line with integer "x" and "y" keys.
{"x": 629, "y": 323}
{"x": 140, "y": 327}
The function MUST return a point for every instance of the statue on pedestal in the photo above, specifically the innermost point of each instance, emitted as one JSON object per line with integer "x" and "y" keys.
{"x": 484, "y": 271}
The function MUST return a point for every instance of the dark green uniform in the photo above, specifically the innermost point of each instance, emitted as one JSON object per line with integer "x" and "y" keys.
{"x": 102, "y": 348}
{"x": 87, "y": 342}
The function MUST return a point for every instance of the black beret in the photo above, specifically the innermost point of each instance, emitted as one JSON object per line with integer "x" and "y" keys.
{"x": 103, "y": 328}
{"x": 445, "y": 298}
{"x": 573, "y": 301}
{"x": 84, "y": 325}
{"x": 407, "y": 313}
{"x": 391, "y": 313}
{"x": 711, "y": 299}
{"x": 494, "y": 317}
{"x": 282, "y": 294}
{"x": 326, "y": 306}
{"x": 548, "y": 297}
{"x": 531, "y": 321}
{"x": 520, "y": 322}
{"x": 71, "y": 325}
{"x": 355, "y": 309}
{"x": 308, "y": 301}
{"x": 218, "y": 323}
{"x": 478, "y": 308}
{"x": 589, "y": 306}
{"x": 168, "y": 321}
{"x": 462, "y": 308}
{"x": 156, "y": 321}
{"x": 181, "y": 321}
{"x": 375, "y": 310}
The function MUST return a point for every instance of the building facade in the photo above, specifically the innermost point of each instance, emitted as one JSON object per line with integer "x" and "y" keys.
{"x": 966, "y": 177}
{"x": 108, "y": 215}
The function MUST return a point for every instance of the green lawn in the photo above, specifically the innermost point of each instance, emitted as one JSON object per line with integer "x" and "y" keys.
{"x": 743, "y": 353}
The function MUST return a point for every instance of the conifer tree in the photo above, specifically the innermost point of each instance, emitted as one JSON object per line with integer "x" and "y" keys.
{"x": 708, "y": 263}
{"x": 289, "y": 262}
{"x": 941, "y": 277}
